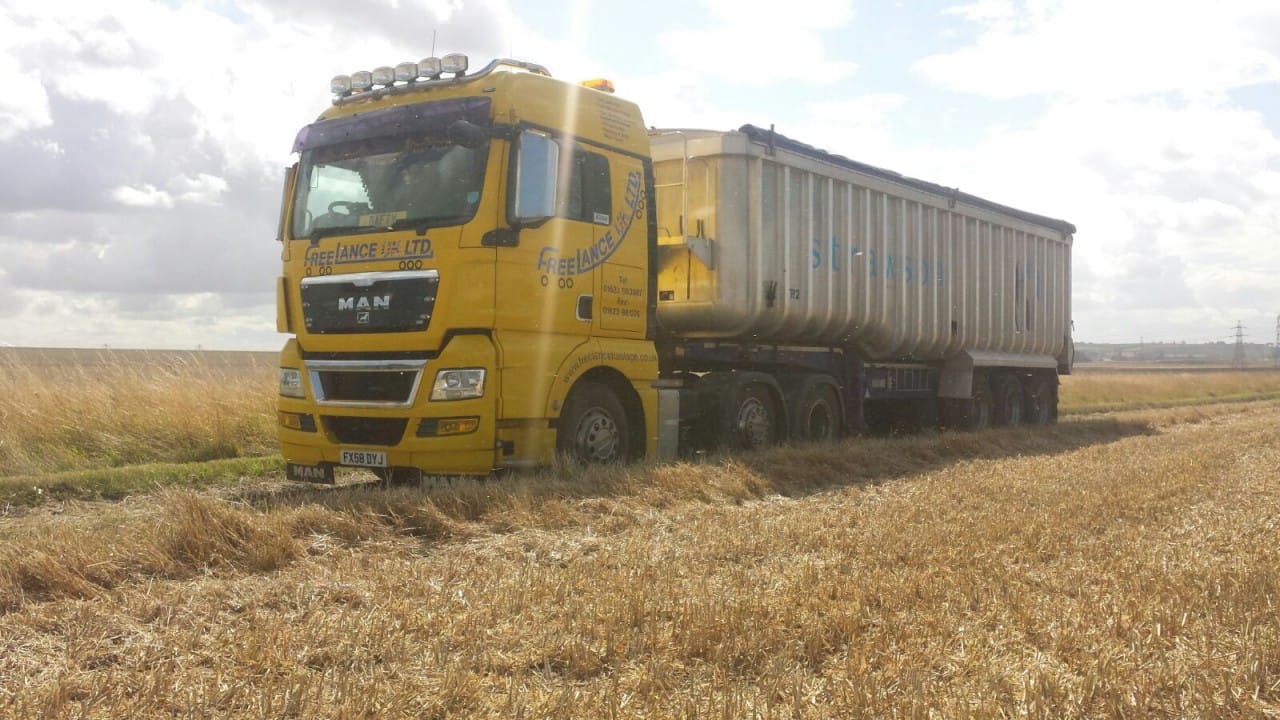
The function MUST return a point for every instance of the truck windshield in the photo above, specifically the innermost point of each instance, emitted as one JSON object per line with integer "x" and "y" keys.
{"x": 405, "y": 181}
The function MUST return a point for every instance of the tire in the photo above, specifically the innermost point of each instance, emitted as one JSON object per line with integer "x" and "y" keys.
{"x": 975, "y": 413}
{"x": 593, "y": 426}
{"x": 817, "y": 417}
{"x": 750, "y": 418}
{"x": 1007, "y": 402}
{"x": 1040, "y": 401}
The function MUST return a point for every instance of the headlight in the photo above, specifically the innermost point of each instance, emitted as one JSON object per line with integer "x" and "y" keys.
{"x": 458, "y": 384}
{"x": 291, "y": 383}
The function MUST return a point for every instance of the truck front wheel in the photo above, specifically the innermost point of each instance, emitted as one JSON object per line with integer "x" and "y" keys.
{"x": 593, "y": 426}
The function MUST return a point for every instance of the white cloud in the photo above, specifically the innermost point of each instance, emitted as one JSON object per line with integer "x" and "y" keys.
{"x": 860, "y": 127}
{"x": 145, "y": 196}
{"x": 1100, "y": 48}
{"x": 444, "y": 10}
{"x": 200, "y": 189}
{"x": 24, "y": 105}
{"x": 754, "y": 43}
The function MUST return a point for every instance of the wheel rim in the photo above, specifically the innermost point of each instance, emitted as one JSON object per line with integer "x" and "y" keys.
{"x": 596, "y": 437}
{"x": 754, "y": 423}
{"x": 819, "y": 422}
{"x": 1011, "y": 403}
{"x": 1035, "y": 407}
{"x": 980, "y": 411}
{"x": 1013, "y": 410}
{"x": 1038, "y": 404}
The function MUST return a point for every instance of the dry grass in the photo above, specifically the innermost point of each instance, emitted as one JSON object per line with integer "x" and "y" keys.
{"x": 1101, "y": 391}
{"x": 1111, "y": 567}
{"x": 64, "y": 410}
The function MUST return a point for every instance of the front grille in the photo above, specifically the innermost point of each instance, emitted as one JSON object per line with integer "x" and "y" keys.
{"x": 369, "y": 382}
{"x": 395, "y": 387}
{"x": 365, "y": 430}
{"x": 376, "y": 302}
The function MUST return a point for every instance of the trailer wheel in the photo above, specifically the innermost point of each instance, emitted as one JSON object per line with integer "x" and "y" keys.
{"x": 593, "y": 426}
{"x": 750, "y": 418}
{"x": 1041, "y": 406}
{"x": 816, "y": 417}
{"x": 1008, "y": 402}
{"x": 971, "y": 414}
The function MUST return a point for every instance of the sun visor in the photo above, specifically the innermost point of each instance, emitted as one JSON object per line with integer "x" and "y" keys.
{"x": 429, "y": 118}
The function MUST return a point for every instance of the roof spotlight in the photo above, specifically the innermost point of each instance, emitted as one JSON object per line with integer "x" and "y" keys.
{"x": 384, "y": 76}
{"x": 455, "y": 63}
{"x": 406, "y": 72}
{"x": 429, "y": 68}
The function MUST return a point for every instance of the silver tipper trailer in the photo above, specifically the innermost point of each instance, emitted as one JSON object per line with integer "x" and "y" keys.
{"x": 769, "y": 248}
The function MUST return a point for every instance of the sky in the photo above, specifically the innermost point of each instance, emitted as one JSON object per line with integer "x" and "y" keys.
{"x": 143, "y": 142}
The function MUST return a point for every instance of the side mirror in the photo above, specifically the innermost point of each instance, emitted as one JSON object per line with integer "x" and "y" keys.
{"x": 286, "y": 196}
{"x": 467, "y": 134}
{"x": 538, "y": 157}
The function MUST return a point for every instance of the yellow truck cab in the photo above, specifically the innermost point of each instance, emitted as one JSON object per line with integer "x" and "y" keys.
{"x": 466, "y": 275}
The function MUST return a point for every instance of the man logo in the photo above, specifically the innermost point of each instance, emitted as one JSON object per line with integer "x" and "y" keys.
{"x": 362, "y": 317}
{"x": 378, "y": 302}
{"x": 310, "y": 473}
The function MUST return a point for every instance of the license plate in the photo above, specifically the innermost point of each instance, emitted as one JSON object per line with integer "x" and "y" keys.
{"x": 363, "y": 458}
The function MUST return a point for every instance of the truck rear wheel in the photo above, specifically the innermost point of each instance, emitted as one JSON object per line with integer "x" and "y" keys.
{"x": 593, "y": 426}
{"x": 1008, "y": 401}
{"x": 816, "y": 417}
{"x": 750, "y": 420}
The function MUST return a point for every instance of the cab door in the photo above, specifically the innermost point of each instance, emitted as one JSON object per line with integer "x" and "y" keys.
{"x": 545, "y": 278}
{"x": 621, "y": 304}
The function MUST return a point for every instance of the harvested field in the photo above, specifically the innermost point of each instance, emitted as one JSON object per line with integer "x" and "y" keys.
{"x": 1119, "y": 565}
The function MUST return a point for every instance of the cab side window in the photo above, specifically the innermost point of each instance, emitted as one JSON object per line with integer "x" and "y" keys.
{"x": 585, "y": 189}
{"x": 557, "y": 178}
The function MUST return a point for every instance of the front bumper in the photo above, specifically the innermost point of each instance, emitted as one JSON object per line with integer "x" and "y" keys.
{"x": 435, "y": 437}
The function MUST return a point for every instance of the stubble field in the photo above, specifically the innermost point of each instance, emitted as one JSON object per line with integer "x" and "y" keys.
{"x": 1124, "y": 563}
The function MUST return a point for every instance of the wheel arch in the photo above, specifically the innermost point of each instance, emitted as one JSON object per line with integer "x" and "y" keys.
{"x": 626, "y": 393}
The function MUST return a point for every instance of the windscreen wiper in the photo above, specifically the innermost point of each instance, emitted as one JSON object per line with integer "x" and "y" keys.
{"x": 325, "y": 232}
{"x": 421, "y": 225}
